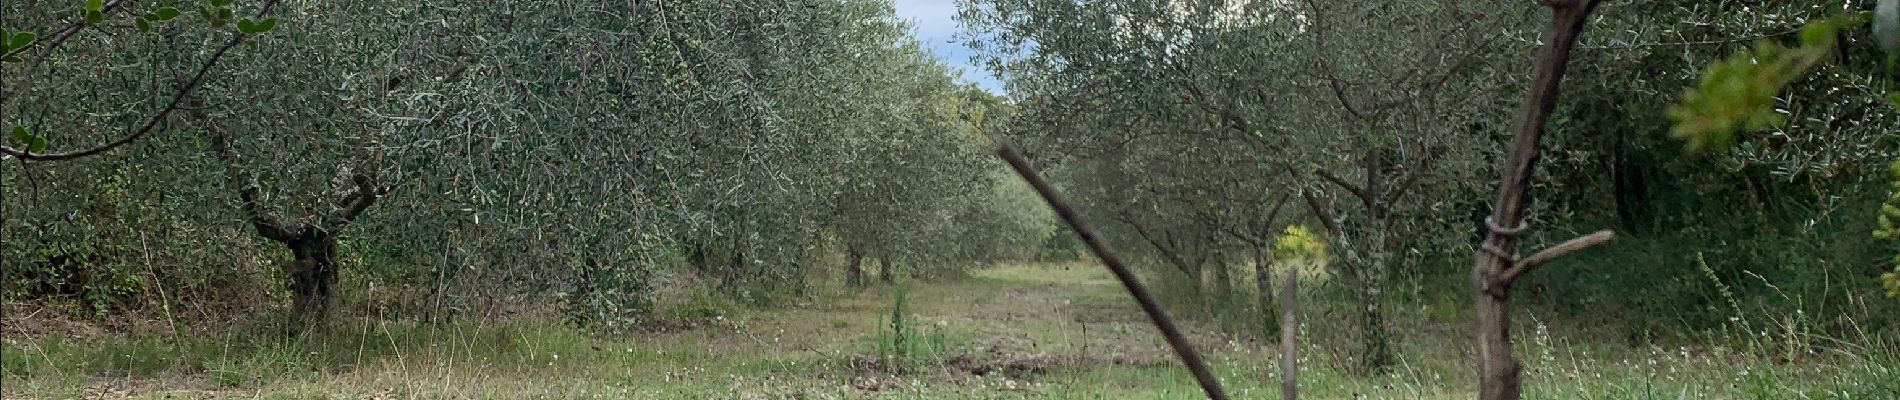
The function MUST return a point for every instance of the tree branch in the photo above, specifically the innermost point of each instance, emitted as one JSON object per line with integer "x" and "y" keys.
{"x": 1743, "y": 39}
{"x": 1236, "y": 233}
{"x": 72, "y": 28}
{"x": 1579, "y": 243}
{"x": 1279, "y": 202}
{"x": 1273, "y": 214}
{"x": 1340, "y": 94}
{"x": 1169, "y": 247}
{"x": 365, "y": 195}
{"x": 196, "y": 81}
{"x": 1499, "y": 372}
{"x": 1320, "y": 211}
{"x": 1411, "y": 179}
{"x": 267, "y": 225}
{"x": 1356, "y": 190}
{"x": 1156, "y": 314}
{"x": 1230, "y": 118}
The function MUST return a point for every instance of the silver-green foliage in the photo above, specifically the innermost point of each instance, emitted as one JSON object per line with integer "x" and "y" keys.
{"x": 566, "y": 150}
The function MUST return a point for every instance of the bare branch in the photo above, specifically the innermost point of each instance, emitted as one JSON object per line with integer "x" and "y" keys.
{"x": 1411, "y": 178}
{"x": 267, "y": 225}
{"x": 1273, "y": 214}
{"x": 1265, "y": 229}
{"x": 1320, "y": 211}
{"x": 355, "y": 203}
{"x": 1340, "y": 94}
{"x": 1333, "y": 82}
{"x": 1398, "y": 191}
{"x": 1579, "y": 243}
{"x": 1169, "y": 247}
{"x": 1175, "y": 339}
{"x": 1236, "y": 233}
{"x": 1357, "y": 191}
{"x": 1230, "y": 118}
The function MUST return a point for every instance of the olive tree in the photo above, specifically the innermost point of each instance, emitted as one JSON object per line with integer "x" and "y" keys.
{"x": 1318, "y": 99}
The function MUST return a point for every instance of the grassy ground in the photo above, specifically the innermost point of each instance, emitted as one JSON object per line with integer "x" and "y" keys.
{"x": 1061, "y": 331}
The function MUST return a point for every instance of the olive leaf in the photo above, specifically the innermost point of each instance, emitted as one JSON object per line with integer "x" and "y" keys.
{"x": 250, "y": 26}
{"x": 1738, "y": 93}
{"x": 20, "y": 40}
{"x": 33, "y": 143}
{"x": 163, "y": 14}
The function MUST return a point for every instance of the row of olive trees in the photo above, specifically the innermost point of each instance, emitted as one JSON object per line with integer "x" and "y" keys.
{"x": 1192, "y": 127}
{"x": 1246, "y": 114}
{"x": 562, "y": 149}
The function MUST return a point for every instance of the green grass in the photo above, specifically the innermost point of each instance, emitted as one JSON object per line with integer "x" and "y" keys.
{"x": 1071, "y": 324}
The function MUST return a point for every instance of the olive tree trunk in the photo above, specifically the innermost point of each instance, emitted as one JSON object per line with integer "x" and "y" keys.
{"x": 1376, "y": 341}
{"x": 312, "y": 242}
{"x": 885, "y": 271}
{"x": 313, "y": 273}
{"x": 1497, "y": 267}
{"x": 854, "y": 267}
{"x": 1223, "y": 280}
{"x": 1263, "y": 279}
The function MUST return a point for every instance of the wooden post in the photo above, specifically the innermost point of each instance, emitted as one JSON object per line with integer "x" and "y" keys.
{"x": 1289, "y": 337}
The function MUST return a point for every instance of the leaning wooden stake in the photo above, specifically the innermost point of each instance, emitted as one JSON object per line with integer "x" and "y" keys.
{"x": 1497, "y": 267}
{"x": 1289, "y": 336}
{"x": 1175, "y": 339}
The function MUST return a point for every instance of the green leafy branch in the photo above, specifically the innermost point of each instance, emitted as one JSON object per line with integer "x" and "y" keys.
{"x": 1738, "y": 94}
{"x": 14, "y": 43}
{"x": 30, "y": 146}
{"x": 162, "y": 14}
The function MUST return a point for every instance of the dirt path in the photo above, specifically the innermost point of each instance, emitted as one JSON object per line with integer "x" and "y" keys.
{"x": 1039, "y": 332}
{"x": 1031, "y": 330}
{"x": 1018, "y": 308}
{"x": 1042, "y": 331}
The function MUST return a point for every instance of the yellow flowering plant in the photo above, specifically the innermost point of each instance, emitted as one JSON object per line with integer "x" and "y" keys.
{"x": 1890, "y": 231}
{"x": 1298, "y": 247}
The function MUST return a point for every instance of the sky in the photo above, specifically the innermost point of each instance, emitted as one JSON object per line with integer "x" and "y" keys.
{"x": 935, "y": 24}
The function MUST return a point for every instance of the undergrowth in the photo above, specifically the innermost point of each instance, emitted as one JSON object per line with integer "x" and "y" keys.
{"x": 1069, "y": 324}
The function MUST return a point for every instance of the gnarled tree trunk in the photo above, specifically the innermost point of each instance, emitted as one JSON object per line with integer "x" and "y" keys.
{"x": 313, "y": 243}
{"x": 313, "y": 273}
